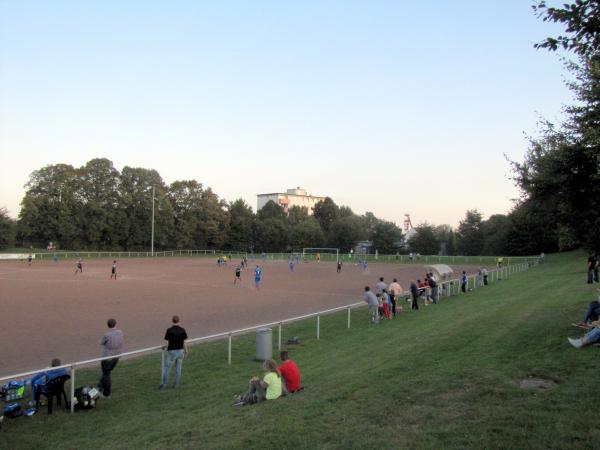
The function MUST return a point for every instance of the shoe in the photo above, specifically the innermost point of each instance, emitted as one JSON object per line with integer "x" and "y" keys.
{"x": 161, "y": 387}
{"x": 575, "y": 342}
{"x": 104, "y": 396}
{"x": 240, "y": 403}
{"x": 175, "y": 386}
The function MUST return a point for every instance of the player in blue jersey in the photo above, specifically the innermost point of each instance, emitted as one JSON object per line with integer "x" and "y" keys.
{"x": 257, "y": 276}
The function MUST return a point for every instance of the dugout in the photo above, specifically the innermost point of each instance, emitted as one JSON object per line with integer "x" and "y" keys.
{"x": 442, "y": 272}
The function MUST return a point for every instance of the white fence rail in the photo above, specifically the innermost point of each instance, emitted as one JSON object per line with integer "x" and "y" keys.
{"x": 448, "y": 288}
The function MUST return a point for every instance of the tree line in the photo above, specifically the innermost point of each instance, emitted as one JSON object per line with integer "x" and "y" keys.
{"x": 97, "y": 207}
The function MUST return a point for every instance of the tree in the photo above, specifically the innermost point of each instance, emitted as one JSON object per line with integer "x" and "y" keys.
{"x": 469, "y": 236}
{"x": 326, "y": 212}
{"x": 213, "y": 221}
{"x": 495, "y": 232}
{"x": 559, "y": 175}
{"x": 424, "y": 241}
{"x": 447, "y": 239}
{"x": 307, "y": 233}
{"x": 8, "y": 229}
{"x": 386, "y": 237}
{"x": 136, "y": 204}
{"x": 100, "y": 217}
{"x": 271, "y": 210}
{"x": 186, "y": 199}
{"x": 297, "y": 214}
{"x": 271, "y": 235}
{"x": 345, "y": 232}
{"x": 241, "y": 225}
{"x": 51, "y": 207}
{"x": 534, "y": 230}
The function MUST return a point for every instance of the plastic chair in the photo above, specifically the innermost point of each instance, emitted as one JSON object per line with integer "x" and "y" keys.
{"x": 53, "y": 388}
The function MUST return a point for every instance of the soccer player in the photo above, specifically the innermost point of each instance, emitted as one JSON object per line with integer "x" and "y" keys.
{"x": 339, "y": 266}
{"x": 291, "y": 264}
{"x": 79, "y": 266}
{"x": 257, "y": 276}
{"x": 113, "y": 270}
{"x": 29, "y": 258}
{"x": 238, "y": 274}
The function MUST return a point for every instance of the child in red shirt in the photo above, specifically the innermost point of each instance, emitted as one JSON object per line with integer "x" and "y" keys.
{"x": 289, "y": 372}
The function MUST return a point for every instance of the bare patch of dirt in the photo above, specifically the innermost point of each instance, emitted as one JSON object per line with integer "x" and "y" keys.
{"x": 537, "y": 383}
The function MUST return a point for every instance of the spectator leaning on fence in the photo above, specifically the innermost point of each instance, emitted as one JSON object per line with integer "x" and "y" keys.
{"x": 112, "y": 344}
{"x": 394, "y": 290}
{"x": 177, "y": 349}
{"x": 373, "y": 304}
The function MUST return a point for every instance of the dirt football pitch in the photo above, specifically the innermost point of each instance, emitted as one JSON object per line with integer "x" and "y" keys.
{"x": 49, "y": 311}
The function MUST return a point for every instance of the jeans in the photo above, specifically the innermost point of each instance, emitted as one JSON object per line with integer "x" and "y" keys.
{"x": 590, "y": 279}
{"x": 415, "y": 303}
{"x": 374, "y": 311}
{"x": 434, "y": 295}
{"x": 593, "y": 311}
{"x": 393, "y": 301}
{"x": 105, "y": 381}
{"x": 593, "y": 335}
{"x": 172, "y": 356}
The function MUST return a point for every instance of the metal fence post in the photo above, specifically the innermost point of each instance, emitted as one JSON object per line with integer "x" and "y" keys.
{"x": 318, "y": 326}
{"x": 229, "y": 351}
{"x": 349, "y": 309}
{"x": 72, "y": 389}
{"x": 279, "y": 341}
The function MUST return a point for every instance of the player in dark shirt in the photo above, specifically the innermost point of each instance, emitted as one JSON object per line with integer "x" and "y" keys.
{"x": 238, "y": 274}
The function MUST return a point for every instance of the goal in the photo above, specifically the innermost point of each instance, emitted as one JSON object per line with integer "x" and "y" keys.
{"x": 321, "y": 254}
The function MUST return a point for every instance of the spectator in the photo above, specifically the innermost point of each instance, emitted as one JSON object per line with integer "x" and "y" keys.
{"x": 177, "y": 349}
{"x": 484, "y": 272}
{"x": 269, "y": 388}
{"x": 112, "y": 344}
{"x": 394, "y": 290}
{"x": 39, "y": 380}
{"x": 589, "y": 338}
{"x": 289, "y": 372}
{"x": 380, "y": 286}
{"x": 373, "y": 303}
{"x": 596, "y": 269}
{"x": 463, "y": 282}
{"x": 592, "y": 313}
{"x": 591, "y": 264}
{"x": 414, "y": 292}
{"x": 434, "y": 288}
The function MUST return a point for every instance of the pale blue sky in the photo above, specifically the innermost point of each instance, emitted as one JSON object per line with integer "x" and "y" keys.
{"x": 386, "y": 106}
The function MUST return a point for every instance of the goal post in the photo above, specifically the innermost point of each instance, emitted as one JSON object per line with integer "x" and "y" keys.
{"x": 321, "y": 253}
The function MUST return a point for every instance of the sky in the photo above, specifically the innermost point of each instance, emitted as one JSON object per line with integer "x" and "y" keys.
{"x": 392, "y": 107}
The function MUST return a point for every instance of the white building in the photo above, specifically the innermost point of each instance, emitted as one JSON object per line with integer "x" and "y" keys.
{"x": 293, "y": 197}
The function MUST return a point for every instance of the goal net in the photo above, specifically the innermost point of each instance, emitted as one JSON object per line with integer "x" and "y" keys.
{"x": 320, "y": 254}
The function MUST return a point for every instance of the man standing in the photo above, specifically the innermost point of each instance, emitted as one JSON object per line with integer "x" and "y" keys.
{"x": 177, "y": 349}
{"x": 112, "y": 344}
{"x": 373, "y": 303}
{"x": 380, "y": 286}
{"x": 394, "y": 290}
{"x": 433, "y": 286}
{"x": 414, "y": 292}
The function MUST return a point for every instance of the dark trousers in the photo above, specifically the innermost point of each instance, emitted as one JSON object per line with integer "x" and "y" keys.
{"x": 105, "y": 382}
{"x": 485, "y": 280}
{"x": 415, "y": 304}
{"x": 393, "y": 301}
{"x": 590, "y": 279}
{"x": 463, "y": 287}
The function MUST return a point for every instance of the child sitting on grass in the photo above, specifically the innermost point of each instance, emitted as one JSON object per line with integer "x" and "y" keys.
{"x": 269, "y": 388}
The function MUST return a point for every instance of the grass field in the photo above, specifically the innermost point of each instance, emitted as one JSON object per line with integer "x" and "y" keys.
{"x": 445, "y": 377}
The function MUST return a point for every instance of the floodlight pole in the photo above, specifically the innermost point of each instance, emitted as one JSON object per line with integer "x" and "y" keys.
{"x": 152, "y": 239}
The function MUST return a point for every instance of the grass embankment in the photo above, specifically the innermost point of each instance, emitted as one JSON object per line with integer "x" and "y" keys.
{"x": 444, "y": 377}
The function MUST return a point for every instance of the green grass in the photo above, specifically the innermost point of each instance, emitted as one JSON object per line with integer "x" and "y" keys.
{"x": 445, "y": 377}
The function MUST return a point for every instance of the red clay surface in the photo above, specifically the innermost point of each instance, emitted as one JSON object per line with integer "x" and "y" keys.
{"x": 48, "y": 311}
